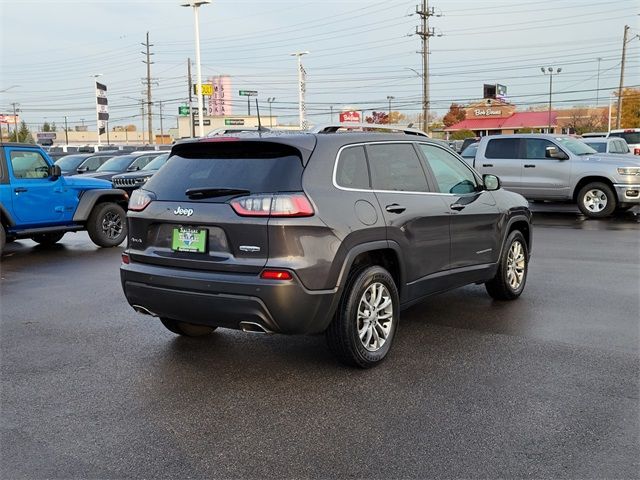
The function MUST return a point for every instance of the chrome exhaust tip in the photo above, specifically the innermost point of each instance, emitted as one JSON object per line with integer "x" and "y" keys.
{"x": 253, "y": 327}
{"x": 143, "y": 310}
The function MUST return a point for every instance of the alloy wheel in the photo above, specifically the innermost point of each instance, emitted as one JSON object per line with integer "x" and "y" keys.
{"x": 375, "y": 316}
{"x": 516, "y": 264}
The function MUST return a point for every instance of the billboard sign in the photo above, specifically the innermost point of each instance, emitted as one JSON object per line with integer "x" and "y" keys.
{"x": 220, "y": 100}
{"x": 350, "y": 117}
{"x": 46, "y": 135}
{"x": 9, "y": 118}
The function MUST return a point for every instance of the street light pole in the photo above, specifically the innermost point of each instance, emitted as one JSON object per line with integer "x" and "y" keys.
{"x": 550, "y": 71}
{"x": 196, "y": 7}
{"x": 389, "y": 97}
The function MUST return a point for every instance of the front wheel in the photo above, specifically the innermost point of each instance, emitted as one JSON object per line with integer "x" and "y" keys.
{"x": 596, "y": 200}
{"x": 48, "y": 239}
{"x": 511, "y": 276}
{"x": 186, "y": 329}
{"x": 365, "y": 323}
{"x": 107, "y": 225}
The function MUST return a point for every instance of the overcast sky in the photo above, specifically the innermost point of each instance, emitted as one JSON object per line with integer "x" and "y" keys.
{"x": 361, "y": 52}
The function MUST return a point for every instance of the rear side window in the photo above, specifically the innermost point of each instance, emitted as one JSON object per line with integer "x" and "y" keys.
{"x": 352, "y": 169}
{"x": 503, "y": 148}
{"x": 396, "y": 166}
{"x": 259, "y": 167}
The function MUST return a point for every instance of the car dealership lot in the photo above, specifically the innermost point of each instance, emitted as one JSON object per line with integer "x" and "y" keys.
{"x": 546, "y": 386}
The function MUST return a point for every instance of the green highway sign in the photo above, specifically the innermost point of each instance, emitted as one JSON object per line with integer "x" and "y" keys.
{"x": 234, "y": 121}
{"x": 248, "y": 93}
{"x": 183, "y": 110}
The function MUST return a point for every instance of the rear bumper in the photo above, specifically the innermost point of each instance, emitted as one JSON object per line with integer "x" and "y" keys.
{"x": 225, "y": 300}
{"x": 629, "y": 194}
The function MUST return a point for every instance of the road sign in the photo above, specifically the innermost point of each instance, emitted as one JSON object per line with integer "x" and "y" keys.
{"x": 206, "y": 123}
{"x": 234, "y": 121}
{"x": 9, "y": 118}
{"x": 183, "y": 110}
{"x": 248, "y": 93}
{"x": 207, "y": 89}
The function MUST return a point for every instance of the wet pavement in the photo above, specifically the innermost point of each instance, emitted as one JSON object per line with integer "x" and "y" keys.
{"x": 543, "y": 387}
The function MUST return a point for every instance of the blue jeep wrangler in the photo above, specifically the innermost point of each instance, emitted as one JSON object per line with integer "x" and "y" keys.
{"x": 37, "y": 202}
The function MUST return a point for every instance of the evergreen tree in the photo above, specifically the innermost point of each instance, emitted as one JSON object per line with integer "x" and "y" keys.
{"x": 24, "y": 134}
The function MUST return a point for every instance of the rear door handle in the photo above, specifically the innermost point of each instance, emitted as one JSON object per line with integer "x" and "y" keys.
{"x": 487, "y": 164}
{"x": 20, "y": 189}
{"x": 529, "y": 166}
{"x": 395, "y": 208}
{"x": 457, "y": 206}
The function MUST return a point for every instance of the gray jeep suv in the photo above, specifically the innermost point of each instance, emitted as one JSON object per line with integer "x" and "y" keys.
{"x": 317, "y": 232}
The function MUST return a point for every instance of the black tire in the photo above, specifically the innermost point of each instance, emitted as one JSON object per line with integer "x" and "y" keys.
{"x": 3, "y": 239}
{"x": 342, "y": 334}
{"x": 107, "y": 225}
{"x": 186, "y": 329}
{"x": 501, "y": 287}
{"x": 608, "y": 200}
{"x": 47, "y": 239}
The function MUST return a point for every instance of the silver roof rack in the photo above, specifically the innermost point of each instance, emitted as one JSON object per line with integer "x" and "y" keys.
{"x": 335, "y": 127}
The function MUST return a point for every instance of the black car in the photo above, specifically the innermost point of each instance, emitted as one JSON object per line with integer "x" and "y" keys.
{"x": 132, "y": 180}
{"x": 84, "y": 162}
{"x": 129, "y": 162}
{"x": 318, "y": 232}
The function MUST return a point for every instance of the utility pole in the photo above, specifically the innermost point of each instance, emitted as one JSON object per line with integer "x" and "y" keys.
{"x": 148, "y": 62}
{"x": 66, "y": 131}
{"x": 624, "y": 56}
{"x": 161, "y": 128}
{"x": 425, "y": 32}
{"x": 389, "y": 97}
{"x": 15, "y": 120}
{"x": 599, "y": 59}
{"x": 142, "y": 116}
{"x": 189, "y": 87}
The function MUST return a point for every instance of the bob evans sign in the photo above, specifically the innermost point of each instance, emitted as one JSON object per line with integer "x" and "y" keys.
{"x": 486, "y": 112}
{"x": 350, "y": 117}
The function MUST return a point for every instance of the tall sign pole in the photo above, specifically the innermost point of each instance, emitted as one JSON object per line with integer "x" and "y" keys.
{"x": 302, "y": 89}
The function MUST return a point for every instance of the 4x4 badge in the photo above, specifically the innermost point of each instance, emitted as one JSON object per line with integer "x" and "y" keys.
{"x": 183, "y": 211}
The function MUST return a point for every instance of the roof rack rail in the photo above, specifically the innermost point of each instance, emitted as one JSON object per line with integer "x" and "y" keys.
{"x": 334, "y": 127}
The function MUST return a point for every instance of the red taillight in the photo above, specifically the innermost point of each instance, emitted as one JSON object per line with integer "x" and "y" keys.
{"x": 125, "y": 259}
{"x": 276, "y": 275}
{"x": 283, "y": 205}
{"x": 636, "y": 151}
{"x": 139, "y": 200}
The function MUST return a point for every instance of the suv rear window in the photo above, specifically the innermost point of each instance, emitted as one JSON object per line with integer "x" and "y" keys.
{"x": 259, "y": 167}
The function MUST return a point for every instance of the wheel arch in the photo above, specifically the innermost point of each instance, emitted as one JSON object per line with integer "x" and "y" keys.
{"x": 385, "y": 253}
{"x": 589, "y": 179}
{"x": 5, "y": 217}
{"x": 91, "y": 198}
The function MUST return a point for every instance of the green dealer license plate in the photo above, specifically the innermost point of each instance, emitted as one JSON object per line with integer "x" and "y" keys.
{"x": 189, "y": 240}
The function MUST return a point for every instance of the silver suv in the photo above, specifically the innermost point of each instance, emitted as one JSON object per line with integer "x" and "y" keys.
{"x": 561, "y": 168}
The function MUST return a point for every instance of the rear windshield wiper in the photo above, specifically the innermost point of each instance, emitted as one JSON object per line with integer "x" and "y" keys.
{"x": 196, "y": 193}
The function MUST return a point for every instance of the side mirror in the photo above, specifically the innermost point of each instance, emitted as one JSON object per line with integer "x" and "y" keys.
{"x": 491, "y": 182}
{"x": 82, "y": 169}
{"x": 553, "y": 152}
{"x": 55, "y": 172}
{"x": 133, "y": 169}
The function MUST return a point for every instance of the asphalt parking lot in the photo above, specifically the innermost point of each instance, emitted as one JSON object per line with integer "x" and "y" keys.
{"x": 544, "y": 387}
